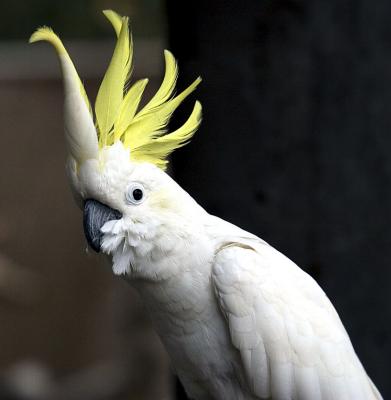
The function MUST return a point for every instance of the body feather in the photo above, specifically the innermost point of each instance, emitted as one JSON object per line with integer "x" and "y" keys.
{"x": 285, "y": 328}
{"x": 239, "y": 320}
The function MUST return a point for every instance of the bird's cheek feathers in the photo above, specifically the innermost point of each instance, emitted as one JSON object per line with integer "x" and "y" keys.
{"x": 91, "y": 181}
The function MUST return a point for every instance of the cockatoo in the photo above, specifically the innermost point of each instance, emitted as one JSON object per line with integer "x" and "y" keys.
{"x": 238, "y": 319}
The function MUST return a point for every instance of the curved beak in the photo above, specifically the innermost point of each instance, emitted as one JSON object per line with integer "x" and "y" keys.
{"x": 95, "y": 216}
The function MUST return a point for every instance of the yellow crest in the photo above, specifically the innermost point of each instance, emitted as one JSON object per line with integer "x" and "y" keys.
{"x": 117, "y": 114}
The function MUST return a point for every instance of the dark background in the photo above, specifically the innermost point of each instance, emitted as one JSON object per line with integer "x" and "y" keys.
{"x": 296, "y": 139}
{"x": 294, "y": 147}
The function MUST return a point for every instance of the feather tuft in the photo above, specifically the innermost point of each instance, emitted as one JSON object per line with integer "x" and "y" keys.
{"x": 146, "y": 127}
{"x": 143, "y": 131}
{"x": 158, "y": 149}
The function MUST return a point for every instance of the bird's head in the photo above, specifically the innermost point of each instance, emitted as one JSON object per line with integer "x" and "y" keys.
{"x": 117, "y": 159}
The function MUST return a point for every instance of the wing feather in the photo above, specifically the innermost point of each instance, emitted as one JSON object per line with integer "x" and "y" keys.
{"x": 292, "y": 343}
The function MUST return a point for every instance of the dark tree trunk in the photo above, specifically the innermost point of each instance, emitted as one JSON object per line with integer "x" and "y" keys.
{"x": 295, "y": 144}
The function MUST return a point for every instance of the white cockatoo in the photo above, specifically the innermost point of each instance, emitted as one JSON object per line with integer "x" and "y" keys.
{"x": 238, "y": 319}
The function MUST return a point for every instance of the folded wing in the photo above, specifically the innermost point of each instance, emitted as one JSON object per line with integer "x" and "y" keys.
{"x": 290, "y": 338}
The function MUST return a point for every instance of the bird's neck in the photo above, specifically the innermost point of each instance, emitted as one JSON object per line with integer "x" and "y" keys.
{"x": 183, "y": 284}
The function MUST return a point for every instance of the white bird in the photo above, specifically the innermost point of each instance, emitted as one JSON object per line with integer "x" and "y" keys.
{"x": 238, "y": 319}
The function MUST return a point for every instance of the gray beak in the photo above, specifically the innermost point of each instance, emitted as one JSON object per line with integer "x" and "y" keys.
{"x": 95, "y": 216}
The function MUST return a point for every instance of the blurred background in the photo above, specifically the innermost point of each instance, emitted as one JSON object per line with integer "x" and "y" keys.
{"x": 295, "y": 146}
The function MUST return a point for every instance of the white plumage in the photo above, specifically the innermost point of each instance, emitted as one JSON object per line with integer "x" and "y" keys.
{"x": 238, "y": 318}
{"x": 285, "y": 328}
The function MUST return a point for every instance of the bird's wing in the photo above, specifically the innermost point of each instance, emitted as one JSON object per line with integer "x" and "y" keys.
{"x": 291, "y": 341}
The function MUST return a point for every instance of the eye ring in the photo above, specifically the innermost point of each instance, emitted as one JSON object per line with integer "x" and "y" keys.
{"x": 135, "y": 193}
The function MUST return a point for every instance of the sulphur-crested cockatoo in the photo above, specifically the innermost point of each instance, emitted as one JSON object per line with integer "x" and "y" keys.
{"x": 238, "y": 319}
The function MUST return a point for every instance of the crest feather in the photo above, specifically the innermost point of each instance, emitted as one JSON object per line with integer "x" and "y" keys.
{"x": 111, "y": 91}
{"x": 115, "y": 19}
{"x": 157, "y": 150}
{"x": 147, "y": 127}
{"x": 80, "y": 131}
{"x": 144, "y": 132}
{"x": 166, "y": 88}
{"x": 47, "y": 34}
{"x": 128, "y": 108}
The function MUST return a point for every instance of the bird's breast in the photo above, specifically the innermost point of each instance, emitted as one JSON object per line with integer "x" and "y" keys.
{"x": 196, "y": 337}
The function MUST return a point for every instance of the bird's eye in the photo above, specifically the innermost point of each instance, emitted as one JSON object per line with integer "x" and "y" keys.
{"x": 135, "y": 193}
